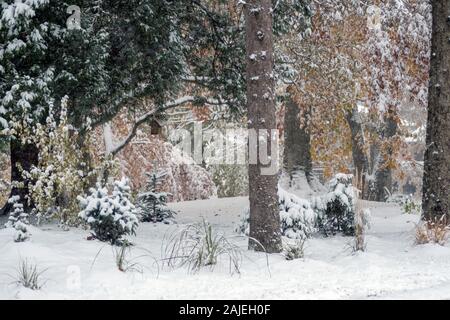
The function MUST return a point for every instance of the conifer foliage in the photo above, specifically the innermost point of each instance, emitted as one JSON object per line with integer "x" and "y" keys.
{"x": 152, "y": 204}
{"x": 110, "y": 217}
{"x": 18, "y": 219}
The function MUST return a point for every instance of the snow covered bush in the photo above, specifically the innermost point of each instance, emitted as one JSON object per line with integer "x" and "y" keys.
{"x": 151, "y": 204}
{"x": 361, "y": 223}
{"x": 18, "y": 219}
{"x": 435, "y": 230}
{"x": 110, "y": 217}
{"x": 61, "y": 173}
{"x": 411, "y": 206}
{"x": 294, "y": 249}
{"x": 336, "y": 209}
{"x": 296, "y": 216}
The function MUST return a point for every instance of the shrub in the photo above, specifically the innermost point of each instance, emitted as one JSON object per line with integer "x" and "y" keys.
{"x": 296, "y": 216}
{"x": 362, "y": 216}
{"x": 411, "y": 206}
{"x": 433, "y": 231}
{"x": 151, "y": 204}
{"x": 18, "y": 219}
{"x": 199, "y": 245}
{"x": 294, "y": 250}
{"x": 336, "y": 209}
{"x": 110, "y": 217}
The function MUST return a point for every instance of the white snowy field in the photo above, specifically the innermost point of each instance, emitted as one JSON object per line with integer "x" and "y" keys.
{"x": 392, "y": 266}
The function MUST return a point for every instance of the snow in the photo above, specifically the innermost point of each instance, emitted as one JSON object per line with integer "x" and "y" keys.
{"x": 392, "y": 267}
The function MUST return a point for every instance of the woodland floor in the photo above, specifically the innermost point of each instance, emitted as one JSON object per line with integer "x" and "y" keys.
{"x": 392, "y": 266}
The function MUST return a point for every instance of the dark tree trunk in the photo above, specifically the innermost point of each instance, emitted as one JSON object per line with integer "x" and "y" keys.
{"x": 263, "y": 195}
{"x": 436, "y": 180}
{"x": 360, "y": 159}
{"x": 23, "y": 157}
{"x": 383, "y": 178}
{"x": 297, "y": 140}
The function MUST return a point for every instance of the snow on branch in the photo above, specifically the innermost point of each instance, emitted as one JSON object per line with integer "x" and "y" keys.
{"x": 145, "y": 117}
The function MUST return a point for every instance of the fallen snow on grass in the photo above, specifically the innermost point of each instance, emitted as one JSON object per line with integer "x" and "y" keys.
{"x": 392, "y": 266}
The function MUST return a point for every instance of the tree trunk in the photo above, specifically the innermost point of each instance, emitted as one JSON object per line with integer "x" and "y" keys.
{"x": 383, "y": 177}
{"x": 436, "y": 179}
{"x": 23, "y": 157}
{"x": 297, "y": 151}
{"x": 360, "y": 159}
{"x": 263, "y": 186}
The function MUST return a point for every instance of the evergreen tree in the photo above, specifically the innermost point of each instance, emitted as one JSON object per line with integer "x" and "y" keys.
{"x": 110, "y": 217}
{"x": 18, "y": 219}
{"x": 152, "y": 204}
{"x": 124, "y": 50}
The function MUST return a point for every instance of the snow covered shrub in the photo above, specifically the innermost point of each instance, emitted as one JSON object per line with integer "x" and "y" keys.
{"x": 4, "y": 174}
{"x": 361, "y": 222}
{"x": 61, "y": 173}
{"x": 18, "y": 219}
{"x": 199, "y": 245}
{"x": 336, "y": 209}
{"x": 151, "y": 204}
{"x": 296, "y": 216}
{"x": 29, "y": 276}
{"x": 294, "y": 250}
{"x": 433, "y": 231}
{"x": 411, "y": 206}
{"x": 110, "y": 217}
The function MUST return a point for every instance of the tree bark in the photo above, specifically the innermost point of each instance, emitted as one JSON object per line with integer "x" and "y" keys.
{"x": 297, "y": 140}
{"x": 360, "y": 159}
{"x": 23, "y": 157}
{"x": 265, "y": 233}
{"x": 383, "y": 176}
{"x": 436, "y": 179}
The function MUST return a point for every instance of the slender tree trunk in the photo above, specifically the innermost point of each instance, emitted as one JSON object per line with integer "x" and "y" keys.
{"x": 297, "y": 140}
{"x": 383, "y": 185}
{"x": 436, "y": 180}
{"x": 263, "y": 195}
{"x": 360, "y": 159}
{"x": 23, "y": 157}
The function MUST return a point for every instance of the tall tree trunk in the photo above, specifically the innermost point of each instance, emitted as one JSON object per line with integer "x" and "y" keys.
{"x": 383, "y": 177}
{"x": 436, "y": 179}
{"x": 264, "y": 211}
{"x": 23, "y": 157}
{"x": 360, "y": 159}
{"x": 297, "y": 161}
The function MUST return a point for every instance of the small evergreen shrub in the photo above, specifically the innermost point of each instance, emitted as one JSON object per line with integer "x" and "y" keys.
{"x": 151, "y": 204}
{"x": 336, "y": 209}
{"x": 18, "y": 219}
{"x": 294, "y": 250}
{"x": 110, "y": 217}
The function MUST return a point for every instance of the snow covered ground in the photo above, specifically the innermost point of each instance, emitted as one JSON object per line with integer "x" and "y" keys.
{"x": 391, "y": 268}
